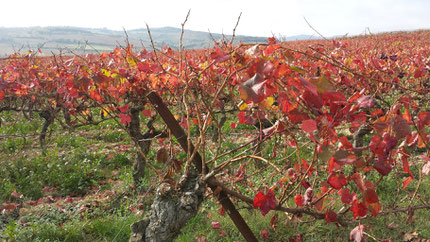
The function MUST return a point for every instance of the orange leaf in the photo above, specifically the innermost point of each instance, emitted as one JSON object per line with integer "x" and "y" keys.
{"x": 407, "y": 115}
{"x": 374, "y": 208}
{"x": 406, "y": 182}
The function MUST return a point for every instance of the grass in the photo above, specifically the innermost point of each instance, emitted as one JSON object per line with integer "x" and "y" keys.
{"x": 82, "y": 190}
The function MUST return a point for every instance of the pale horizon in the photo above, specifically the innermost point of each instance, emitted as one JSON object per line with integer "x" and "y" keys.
{"x": 264, "y": 19}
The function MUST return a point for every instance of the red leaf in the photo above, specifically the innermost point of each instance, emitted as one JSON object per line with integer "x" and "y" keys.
{"x": 406, "y": 164}
{"x": 15, "y": 194}
{"x": 306, "y": 167}
{"x": 271, "y": 40}
{"x": 96, "y": 96}
{"x": 274, "y": 222}
{"x": 309, "y": 125}
{"x": 219, "y": 56}
{"x": 418, "y": 73}
{"x": 265, "y": 202}
{"x": 146, "y": 112}
{"x": 357, "y": 233}
{"x": 345, "y": 142}
{"x": 366, "y": 102}
{"x": 358, "y": 209}
{"x": 342, "y": 157}
{"x": 424, "y": 118}
{"x": 374, "y": 208}
{"x": 298, "y": 199}
{"x": 250, "y": 90}
{"x": 221, "y": 211}
{"x": 144, "y": 67}
{"x": 312, "y": 99}
{"x": 400, "y": 127}
{"x": 125, "y": 119}
{"x": 233, "y": 125}
{"x": 216, "y": 225}
{"x": 330, "y": 216}
{"x": 406, "y": 182}
{"x": 370, "y": 196}
{"x": 264, "y": 234}
{"x": 1, "y": 95}
{"x": 124, "y": 108}
{"x": 241, "y": 116}
{"x": 357, "y": 120}
{"x": 346, "y": 197}
{"x": 9, "y": 206}
{"x": 333, "y": 97}
{"x": 296, "y": 116}
{"x": 382, "y": 167}
{"x": 241, "y": 171}
{"x": 337, "y": 181}
{"x": 309, "y": 87}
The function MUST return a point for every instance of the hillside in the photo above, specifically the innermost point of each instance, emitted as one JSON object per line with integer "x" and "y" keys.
{"x": 80, "y": 40}
{"x": 87, "y": 40}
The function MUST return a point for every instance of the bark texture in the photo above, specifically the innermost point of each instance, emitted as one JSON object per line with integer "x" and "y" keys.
{"x": 143, "y": 141}
{"x": 358, "y": 138}
{"x": 49, "y": 119}
{"x": 170, "y": 211}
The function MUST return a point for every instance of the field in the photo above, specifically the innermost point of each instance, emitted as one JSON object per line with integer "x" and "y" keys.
{"x": 332, "y": 139}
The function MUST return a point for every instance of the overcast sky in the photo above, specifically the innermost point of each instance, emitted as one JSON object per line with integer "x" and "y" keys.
{"x": 259, "y": 18}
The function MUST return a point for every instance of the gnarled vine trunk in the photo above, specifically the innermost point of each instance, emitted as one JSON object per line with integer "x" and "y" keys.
{"x": 144, "y": 144}
{"x": 49, "y": 119}
{"x": 170, "y": 211}
{"x": 173, "y": 208}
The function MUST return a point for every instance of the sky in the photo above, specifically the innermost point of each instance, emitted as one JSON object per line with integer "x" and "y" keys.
{"x": 259, "y": 18}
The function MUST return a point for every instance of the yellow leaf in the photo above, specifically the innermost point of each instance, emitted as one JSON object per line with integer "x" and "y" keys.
{"x": 104, "y": 112}
{"x": 242, "y": 106}
{"x": 298, "y": 69}
{"x": 322, "y": 84}
{"x": 131, "y": 61}
{"x": 267, "y": 103}
{"x": 106, "y": 72}
{"x": 348, "y": 61}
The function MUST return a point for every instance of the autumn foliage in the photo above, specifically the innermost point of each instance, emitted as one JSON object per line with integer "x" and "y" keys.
{"x": 358, "y": 106}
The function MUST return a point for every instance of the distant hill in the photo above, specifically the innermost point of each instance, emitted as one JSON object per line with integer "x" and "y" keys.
{"x": 87, "y": 40}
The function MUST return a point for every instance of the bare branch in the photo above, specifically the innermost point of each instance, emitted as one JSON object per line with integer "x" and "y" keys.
{"x": 181, "y": 47}
{"x": 126, "y": 37}
{"x": 316, "y": 31}
{"x": 234, "y": 30}
{"x": 153, "y": 48}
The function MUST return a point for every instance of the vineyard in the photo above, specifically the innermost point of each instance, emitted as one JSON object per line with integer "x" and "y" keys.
{"x": 306, "y": 140}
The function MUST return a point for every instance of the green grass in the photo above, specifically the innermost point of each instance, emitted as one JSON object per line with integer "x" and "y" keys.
{"x": 110, "y": 228}
{"x": 89, "y": 164}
